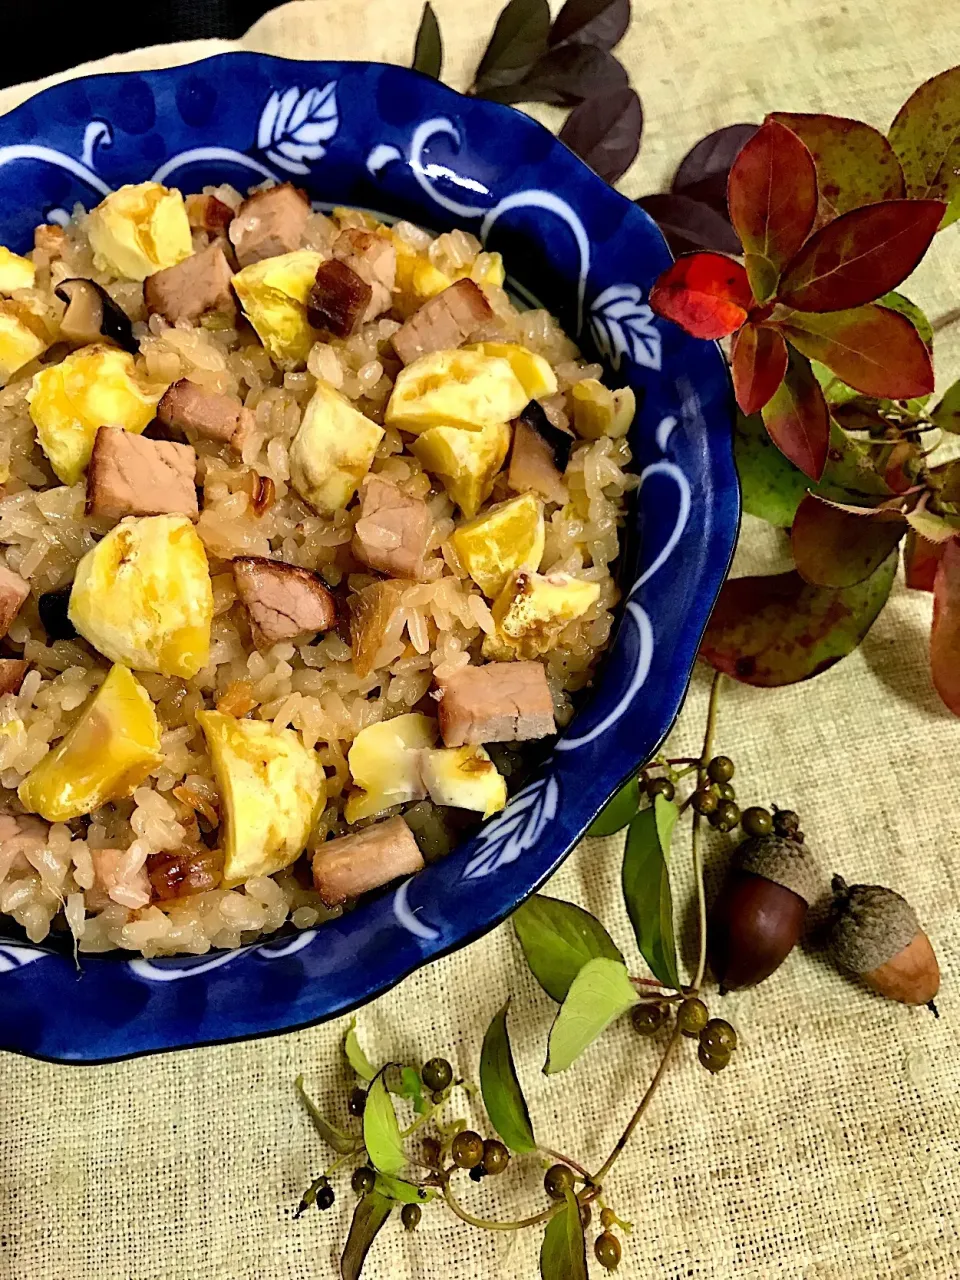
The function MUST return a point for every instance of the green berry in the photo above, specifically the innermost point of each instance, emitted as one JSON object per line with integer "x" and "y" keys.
{"x": 727, "y": 791}
{"x": 714, "y": 1062}
{"x": 467, "y": 1149}
{"x": 437, "y": 1075}
{"x": 410, "y": 1216}
{"x": 718, "y": 1038}
{"x": 586, "y": 1216}
{"x": 430, "y": 1152}
{"x": 720, "y": 769}
{"x": 757, "y": 821}
{"x": 705, "y": 800}
{"x": 325, "y": 1197}
{"x": 726, "y": 816}
{"x": 785, "y": 822}
{"x": 358, "y": 1100}
{"x": 661, "y": 787}
{"x": 649, "y": 1017}
{"x": 692, "y": 1017}
{"x": 607, "y": 1218}
{"x": 363, "y": 1180}
{"x": 558, "y": 1180}
{"x": 496, "y": 1157}
{"x": 607, "y": 1251}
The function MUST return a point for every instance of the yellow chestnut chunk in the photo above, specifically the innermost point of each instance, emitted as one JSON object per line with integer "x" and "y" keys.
{"x": 532, "y": 610}
{"x": 70, "y": 401}
{"x": 273, "y": 294}
{"x": 139, "y": 230}
{"x": 272, "y": 791}
{"x": 143, "y": 596}
{"x": 384, "y": 762}
{"x": 457, "y": 389}
{"x": 21, "y": 339}
{"x": 105, "y": 756}
{"x": 332, "y": 451}
{"x": 467, "y": 462}
{"x": 509, "y": 536}
{"x": 598, "y": 411}
{"x": 15, "y": 272}
{"x": 534, "y": 373}
{"x": 465, "y": 778}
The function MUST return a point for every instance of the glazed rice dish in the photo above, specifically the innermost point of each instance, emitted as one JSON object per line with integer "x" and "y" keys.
{"x": 306, "y": 535}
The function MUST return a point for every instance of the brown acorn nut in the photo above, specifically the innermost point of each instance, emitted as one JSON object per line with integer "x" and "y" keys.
{"x": 875, "y": 934}
{"x": 760, "y": 913}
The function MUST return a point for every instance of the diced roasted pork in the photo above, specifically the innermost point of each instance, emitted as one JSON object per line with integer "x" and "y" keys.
{"x": 338, "y": 302}
{"x": 269, "y": 223}
{"x": 12, "y": 672}
{"x": 373, "y": 258}
{"x": 351, "y": 865}
{"x": 498, "y": 702}
{"x": 539, "y": 455}
{"x": 207, "y": 213}
{"x": 444, "y": 322}
{"x": 283, "y": 600}
{"x": 374, "y": 619}
{"x": 130, "y": 475}
{"x": 13, "y": 592}
{"x": 200, "y": 283}
{"x": 392, "y": 533}
{"x": 185, "y": 406}
{"x": 180, "y": 873}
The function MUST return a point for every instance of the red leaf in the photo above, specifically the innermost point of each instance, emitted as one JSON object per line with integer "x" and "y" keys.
{"x": 900, "y": 468}
{"x": 838, "y": 546}
{"x": 706, "y": 294}
{"x": 945, "y": 633}
{"x": 874, "y": 349}
{"x": 776, "y": 630}
{"x": 772, "y": 194}
{"x": 759, "y": 363}
{"x": 920, "y": 560}
{"x": 797, "y": 418}
{"x": 861, "y": 255}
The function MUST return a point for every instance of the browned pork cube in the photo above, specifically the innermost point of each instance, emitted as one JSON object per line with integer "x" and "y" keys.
{"x": 498, "y": 702}
{"x": 200, "y": 283}
{"x": 12, "y": 672}
{"x": 13, "y": 592}
{"x": 283, "y": 600}
{"x": 130, "y": 475}
{"x": 351, "y": 865}
{"x": 443, "y": 322}
{"x": 392, "y": 533}
{"x": 338, "y": 300}
{"x": 269, "y": 223}
{"x": 184, "y": 872}
{"x": 207, "y": 213}
{"x": 185, "y": 406}
{"x": 373, "y": 257}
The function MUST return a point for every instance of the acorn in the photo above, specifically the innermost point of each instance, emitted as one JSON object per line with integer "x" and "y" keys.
{"x": 761, "y": 911}
{"x": 875, "y": 934}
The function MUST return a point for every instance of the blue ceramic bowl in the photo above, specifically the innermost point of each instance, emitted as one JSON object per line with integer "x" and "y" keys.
{"x": 393, "y": 141}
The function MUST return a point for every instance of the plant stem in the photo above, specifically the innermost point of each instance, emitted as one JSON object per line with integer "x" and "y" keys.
{"x": 488, "y": 1224}
{"x": 637, "y": 1116}
{"x": 427, "y": 1116}
{"x": 712, "y": 706}
{"x": 696, "y": 849}
{"x": 558, "y": 1155}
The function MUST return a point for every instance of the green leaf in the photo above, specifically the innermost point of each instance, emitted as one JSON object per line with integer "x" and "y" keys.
{"x": 381, "y": 1132}
{"x": 502, "y": 1095}
{"x": 368, "y": 1217}
{"x": 411, "y": 1087}
{"x": 558, "y": 938}
{"x": 646, "y": 888}
{"x": 600, "y": 993}
{"x": 926, "y": 137}
{"x": 772, "y": 486}
{"x": 563, "y": 1254}
{"x": 616, "y": 813}
{"x": 428, "y": 52}
{"x": 355, "y": 1055}
{"x": 332, "y": 1136}
{"x": 518, "y": 40}
{"x": 403, "y": 1192}
{"x": 947, "y": 413}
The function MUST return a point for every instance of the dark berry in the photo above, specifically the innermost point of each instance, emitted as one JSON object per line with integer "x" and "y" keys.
{"x": 705, "y": 800}
{"x": 607, "y": 1251}
{"x": 649, "y": 1017}
{"x": 496, "y": 1157}
{"x": 558, "y": 1180}
{"x": 358, "y": 1100}
{"x": 363, "y": 1180}
{"x": 714, "y": 1062}
{"x": 467, "y": 1149}
{"x": 586, "y": 1216}
{"x": 477, "y": 1173}
{"x": 410, "y": 1216}
{"x": 325, "y": 1197}
{"x": 692, "y": 1017}
{"x": 661, "y": 787}
{"x": 726, "y": 816}
{"x": 785, "y": 822}
{"x": 431, "y": 1152}
{"x": 437, "y": 1074}
{"x": 756, "y": 821}
{"x": 720, "y": 769}
{"x": 726, "y": 791}
{"x": 718, "y": 1037}
{"x": 52, "y": 607}
{"x": 607, "y": 1218}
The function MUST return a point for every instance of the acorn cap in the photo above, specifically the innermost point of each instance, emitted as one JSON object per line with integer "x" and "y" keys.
{"x": 786, "y": 862}
{"x": 870, "y": 925}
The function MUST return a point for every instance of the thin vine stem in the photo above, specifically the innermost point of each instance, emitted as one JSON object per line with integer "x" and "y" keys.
{"x": 695, "y": 842}
{"x": 487, "y": 1224}
{"x": 637, "y": 1116}
{"x": 558, "y": 1155}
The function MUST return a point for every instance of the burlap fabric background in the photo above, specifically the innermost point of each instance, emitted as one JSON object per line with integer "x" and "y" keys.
{"x": 831, "y": 1150}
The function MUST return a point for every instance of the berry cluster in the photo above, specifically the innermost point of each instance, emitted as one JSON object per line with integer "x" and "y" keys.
{"x": 717, "y": 1038}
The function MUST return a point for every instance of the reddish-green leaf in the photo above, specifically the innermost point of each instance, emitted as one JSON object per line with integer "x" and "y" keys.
{"x": 706, "y": 294}
{"x": 860, "y": 256}
{"x": 920, "y": 560}
{"x": 797, "y": 418}
{"x": 599, "y": 22}
{"x": 759, "y": 363}
{"x": 926, "y": 137}
{"x": 835, "y": 545}
{"x": 772, "y": 194}
{"x": 901, "y": 465}
{"x": 874, "y": 349}
{"x": 689, "y": 224}
{"x": 704, "y": 171}
{"x": 945, "y": 633}
{"x": 945, "y": 478}
{"x": 605, "y": 132}
{"x": 855, "y": 163}
{"x": 779, "y": 629}
{"x": 368, "y": 1217}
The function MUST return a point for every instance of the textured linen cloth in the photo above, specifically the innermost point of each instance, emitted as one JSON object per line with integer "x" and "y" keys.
{"x": 830, "y": 1150}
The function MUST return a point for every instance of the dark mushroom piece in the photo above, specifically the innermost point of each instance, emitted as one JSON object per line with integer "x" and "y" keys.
{"x": 92, "y": 315}
{"x": 52, "y": 607}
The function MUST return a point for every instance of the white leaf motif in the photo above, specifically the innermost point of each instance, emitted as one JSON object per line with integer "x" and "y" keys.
{"x": 623, "y": 324}
{"x": 516, "y": 830}
{"x": 294, "y": 126}
{"x": 12, "y": 957}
